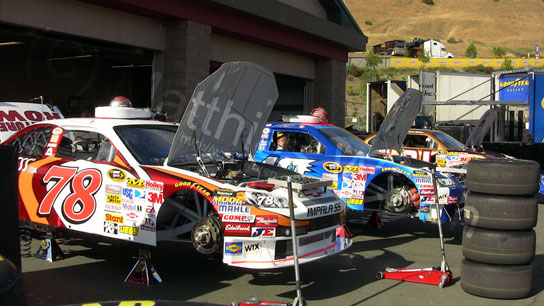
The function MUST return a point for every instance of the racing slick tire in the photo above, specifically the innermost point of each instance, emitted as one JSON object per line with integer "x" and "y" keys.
{"x": 498, "y": 247}
{"x": 207, "y": 234}
{"x": 500, "y": 212}
{"x": 503, "y": 176}
{"x": 496, "y": 281}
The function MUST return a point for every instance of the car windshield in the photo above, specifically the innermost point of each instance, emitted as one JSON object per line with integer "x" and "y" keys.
{"x": 346, "y": 142}
{"x": 449, "y": 141}
{"x": 149, "y": 144}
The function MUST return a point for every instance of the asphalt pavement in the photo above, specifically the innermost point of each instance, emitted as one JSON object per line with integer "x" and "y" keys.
{"x": 94, "y": 271}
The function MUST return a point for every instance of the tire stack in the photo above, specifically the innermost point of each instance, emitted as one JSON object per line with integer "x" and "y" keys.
{"x": 498, "y": 237}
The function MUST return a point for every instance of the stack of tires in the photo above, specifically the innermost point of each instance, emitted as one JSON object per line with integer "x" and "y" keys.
{"x": 498, "y": 237}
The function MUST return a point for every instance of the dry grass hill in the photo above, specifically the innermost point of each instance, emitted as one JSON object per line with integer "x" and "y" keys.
{"x": 516, "y": 25}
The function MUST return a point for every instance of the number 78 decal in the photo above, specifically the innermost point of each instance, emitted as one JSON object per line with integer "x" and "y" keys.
{"x": 80, "y": 204}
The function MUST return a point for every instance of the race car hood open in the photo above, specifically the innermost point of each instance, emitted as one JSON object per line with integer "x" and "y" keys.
{"x": 398, "y": 121}
{"x": 225, "y": 115}
{"x": 482, "y": 128}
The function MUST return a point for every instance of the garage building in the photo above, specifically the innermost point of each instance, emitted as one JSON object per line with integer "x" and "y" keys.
{"x": 80, "y": 54}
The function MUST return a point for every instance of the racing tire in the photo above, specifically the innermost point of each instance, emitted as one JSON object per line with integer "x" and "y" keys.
{"x": 498, "y": 247}
{"x": 496, "y": 281}
{"x": 503, "y": 176}
{"x": 500, "y": 212}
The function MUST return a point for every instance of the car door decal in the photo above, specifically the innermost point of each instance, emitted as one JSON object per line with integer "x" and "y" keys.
{"x": 80, "y": 205}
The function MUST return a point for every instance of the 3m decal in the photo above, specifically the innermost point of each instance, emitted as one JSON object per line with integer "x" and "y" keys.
{"x": 117, "y": 175}
{"x": 80, "y": 204}
{"x": 155, "y": 197}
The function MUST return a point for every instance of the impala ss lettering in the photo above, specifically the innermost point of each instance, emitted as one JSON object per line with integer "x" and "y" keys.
{"x": 323, "y": 210}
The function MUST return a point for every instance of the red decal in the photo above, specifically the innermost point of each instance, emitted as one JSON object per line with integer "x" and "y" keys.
{"x": 80, "y": 205}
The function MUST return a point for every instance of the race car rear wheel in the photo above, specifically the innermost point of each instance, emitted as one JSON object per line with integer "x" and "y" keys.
{"x": 207, "y": 234}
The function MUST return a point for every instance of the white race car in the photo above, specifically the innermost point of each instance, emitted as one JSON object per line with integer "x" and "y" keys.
{"x": 148, "y": 181}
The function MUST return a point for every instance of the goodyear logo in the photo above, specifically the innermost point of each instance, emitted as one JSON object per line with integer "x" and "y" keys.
{"x": 355, "y": 201}
{"x": 232, "y": 248}
{"x": 332, "y": 167}
{"x": 136, "y": 183}
{"x": 128, "y": 230}
{"x": 117, "y": 175}
{"x": 515, "y": 83}
{"x": 113, "y": 198}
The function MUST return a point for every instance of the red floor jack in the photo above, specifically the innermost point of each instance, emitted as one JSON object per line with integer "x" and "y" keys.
{"x": 440, "y": 276}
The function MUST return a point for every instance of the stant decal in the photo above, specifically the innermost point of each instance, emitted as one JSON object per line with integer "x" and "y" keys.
{"x": 114, "y": 218}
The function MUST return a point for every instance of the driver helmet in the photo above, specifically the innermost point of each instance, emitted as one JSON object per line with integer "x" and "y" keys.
{"x": 120, "y": 101}
{"x": 321, "y": 114}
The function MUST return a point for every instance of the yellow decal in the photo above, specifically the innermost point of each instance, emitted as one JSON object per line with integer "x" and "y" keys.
{"x": 117, "y": 175}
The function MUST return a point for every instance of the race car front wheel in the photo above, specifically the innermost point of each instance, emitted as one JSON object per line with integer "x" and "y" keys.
{"x": 207, "y": 234}
{"x": 397, "y": 200}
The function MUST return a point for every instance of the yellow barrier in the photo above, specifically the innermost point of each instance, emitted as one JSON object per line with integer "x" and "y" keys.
{"x": 404, "y": 62}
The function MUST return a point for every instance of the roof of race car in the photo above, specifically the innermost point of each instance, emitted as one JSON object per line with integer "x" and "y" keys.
{"x": 102, "y": 123}
{"x": 298, "y": 125}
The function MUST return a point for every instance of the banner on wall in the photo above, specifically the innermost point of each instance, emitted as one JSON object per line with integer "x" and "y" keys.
{"x": 514, "y": 87}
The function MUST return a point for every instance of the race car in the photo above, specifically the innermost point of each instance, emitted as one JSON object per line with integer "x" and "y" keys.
{"x": 364, "y": 179}
{"x": 434, "y": 146}
{"x": 147, "y": 181}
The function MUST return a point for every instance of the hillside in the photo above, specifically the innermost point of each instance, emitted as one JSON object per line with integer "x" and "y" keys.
{"x": 516, "y": 25}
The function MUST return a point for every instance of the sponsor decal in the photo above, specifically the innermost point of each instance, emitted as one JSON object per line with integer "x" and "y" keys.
{"x": 155, "y": 197}
{"x": 237, "y": 229}
{"x": 148, "y": 225}
{"x": 252, "y": 248}
{"x": 332, "y": 167}
{"x": 316, "y": 193}
{"x": 192, "y": 185}
{"x": 117, "y": 175}
{"x": 426, "y": 192}
{"x": 225, "y": 192}
{"x": 23, "y": 165}
{"x": 426, "y": 181}
{"x": 114, "y": 218}
{"x": 139, "y": 195}
{"x": 238, "y": 218}
{"x": 233, "y": 248}
{"x": 367, "y": 170}
{"x": 150, "y": 210}
{"x": 453, "y": 199}
{"x": 348, "y": 176}
{"x": 233, "y": 209}
{"x": 113, "y": 198}
{"x": 263, "y": 232}
{"x": 128, "y": 193}
{"x": 112, "y": 207}
{"x": 154, "y": 185}
{"x": 334, "y": 185}
{"x": 113, "y": 189}
{"x": 395, "y": 169}
{"x": 351, "y": 168}
{"x": 111, "y": 228}
{"x": 57, "y": 131}
{"x": 129, "y": 230}
{"x": 331, "y": 176}
{"x": 427, "y": 199}
{"x": 355, "y": 201}
{"x": 135, "y": 183}
{"x": 426, "y": 186}
{"x": 132, "y": 215}
{"x": 358, "y": 194}
{"x": 420, "y": 174}
{"x": 359, "y": 177}
{"x": 227, "y": 200}
{"x": 323, "y": 210}
{"x": 262, "y": 221}
{"x": 132, "y": 207}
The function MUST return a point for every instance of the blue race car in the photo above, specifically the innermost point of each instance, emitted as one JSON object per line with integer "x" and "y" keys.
{"x": 363, "y": 178}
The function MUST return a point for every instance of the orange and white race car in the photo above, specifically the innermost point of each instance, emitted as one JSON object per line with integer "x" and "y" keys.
{"x": 146, "y": 181}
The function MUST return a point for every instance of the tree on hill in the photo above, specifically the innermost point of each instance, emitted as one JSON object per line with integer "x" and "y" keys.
{"x": 471, "y": 51}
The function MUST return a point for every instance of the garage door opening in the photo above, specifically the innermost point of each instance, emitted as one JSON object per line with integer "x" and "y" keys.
{"x": 73, "y": 74}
